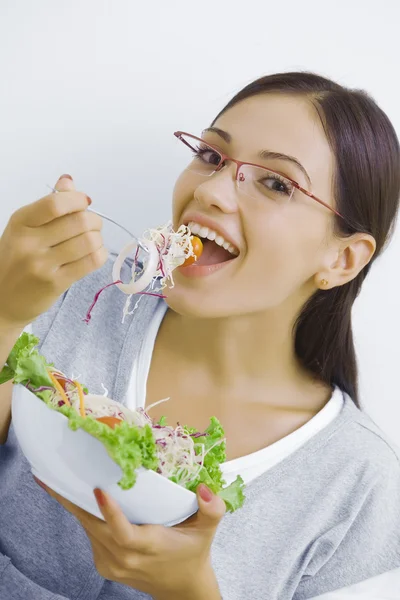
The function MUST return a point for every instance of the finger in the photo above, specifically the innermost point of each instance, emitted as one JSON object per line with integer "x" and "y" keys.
{"x": 74, "y": 249}
{"x": 74, "y": 271}
{"x": 51, "y": 207}
{"x": 69, "y": 226}
{"x": 65, "y": 183}
{"x": 124, "y": 533}
{"x": 211, "y": 509}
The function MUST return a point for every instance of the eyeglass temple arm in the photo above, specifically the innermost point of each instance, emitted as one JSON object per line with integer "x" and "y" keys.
{"x": 320, "y": 201}
{"x": 179, "y": 136}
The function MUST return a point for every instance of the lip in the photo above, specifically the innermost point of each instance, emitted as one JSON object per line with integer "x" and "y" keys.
{"x": 207, "y": 222}
{"x": 203, "y": 270}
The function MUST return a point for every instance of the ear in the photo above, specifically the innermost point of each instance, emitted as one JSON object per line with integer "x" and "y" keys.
{"x": 350, "y": 257}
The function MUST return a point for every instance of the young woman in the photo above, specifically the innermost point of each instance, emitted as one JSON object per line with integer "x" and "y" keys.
{"x": 301, "y": 177}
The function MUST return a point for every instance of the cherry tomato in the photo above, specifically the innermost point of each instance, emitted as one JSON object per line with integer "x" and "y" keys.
{"x": 197, "y": 246}
{"x": 110, "y": 421}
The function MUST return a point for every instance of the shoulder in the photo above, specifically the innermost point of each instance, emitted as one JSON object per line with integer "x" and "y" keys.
{"x": 360, "y": 460}
{"x": 361, "y": 491}
{"x": 366, "y": 439}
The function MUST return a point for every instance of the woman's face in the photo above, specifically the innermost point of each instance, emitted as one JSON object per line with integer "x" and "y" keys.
{"x": 282, "y": 245}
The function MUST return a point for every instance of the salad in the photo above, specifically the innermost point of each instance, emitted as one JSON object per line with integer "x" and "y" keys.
{"x": 166, "y": 250}
{"x": 173, "y": 249}
{"x": 132, "y": 438}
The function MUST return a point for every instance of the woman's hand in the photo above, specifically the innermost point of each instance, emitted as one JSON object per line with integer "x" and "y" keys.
{"x": 45, "y": 248}
{"x": 165, "y": 562}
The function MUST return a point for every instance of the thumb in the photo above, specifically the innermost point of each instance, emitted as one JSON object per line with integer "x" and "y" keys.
{"x": 211, "y": 509}
{"x": 65, "y": 183}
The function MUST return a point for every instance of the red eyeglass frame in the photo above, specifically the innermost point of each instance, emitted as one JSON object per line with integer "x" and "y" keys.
{"x": 239, "y": 163}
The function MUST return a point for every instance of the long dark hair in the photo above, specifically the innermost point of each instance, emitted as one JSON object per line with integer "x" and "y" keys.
{"x": 367, "y": 189}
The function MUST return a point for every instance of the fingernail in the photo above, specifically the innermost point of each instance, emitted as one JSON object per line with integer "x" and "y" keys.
{"x": 89, "y": 200}
{"x": 65, "y": 176}
{"x": 42, "y": 485}
{"x": 100, "y": 497}
{"x": 205, "y": 493}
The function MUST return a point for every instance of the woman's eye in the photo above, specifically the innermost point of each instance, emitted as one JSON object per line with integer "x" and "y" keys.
{"x": 276, "y": 185}
{"x": 208, "y": 156}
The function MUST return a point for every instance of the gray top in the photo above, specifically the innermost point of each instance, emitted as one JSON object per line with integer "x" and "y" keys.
{"x": 325, "y": 517}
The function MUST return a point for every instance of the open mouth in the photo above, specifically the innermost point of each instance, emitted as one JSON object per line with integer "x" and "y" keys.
{"x": 216, "y": 250}
{"x": 217, "y": 253}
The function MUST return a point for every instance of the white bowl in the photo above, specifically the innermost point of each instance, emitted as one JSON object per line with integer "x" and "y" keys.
{"x": 73, "y": 463}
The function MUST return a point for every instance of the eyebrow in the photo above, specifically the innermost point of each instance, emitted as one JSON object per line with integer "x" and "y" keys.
{"x": 224, "y": 134}
{"x": 263, "y": 154}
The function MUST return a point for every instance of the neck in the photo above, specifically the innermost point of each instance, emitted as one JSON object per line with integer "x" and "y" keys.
{"x": 253, "y": 351}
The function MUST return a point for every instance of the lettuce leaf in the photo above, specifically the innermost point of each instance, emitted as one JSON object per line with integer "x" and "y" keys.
{"x": 233, "y": 494}
{"x": 128, "y": 445}
{"x": 33, "y": 368}
{"x": 211, "y": 474}
{"x": 26, "y": 342}
{"x": 26, "y": 364}
{"x": 6, "y": 374}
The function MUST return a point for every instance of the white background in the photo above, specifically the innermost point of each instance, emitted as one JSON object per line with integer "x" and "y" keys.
{"x": 96, "y": 89}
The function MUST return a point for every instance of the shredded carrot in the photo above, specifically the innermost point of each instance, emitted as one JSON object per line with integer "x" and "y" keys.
{"x": 81, "y": 399}
{"x": 59, "y": 389}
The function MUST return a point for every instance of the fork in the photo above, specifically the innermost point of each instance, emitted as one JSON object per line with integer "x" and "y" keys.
{"x": 103, "y": 216}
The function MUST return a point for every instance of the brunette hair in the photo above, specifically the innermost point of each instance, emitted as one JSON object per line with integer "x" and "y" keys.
{"x": 366, "y": 191}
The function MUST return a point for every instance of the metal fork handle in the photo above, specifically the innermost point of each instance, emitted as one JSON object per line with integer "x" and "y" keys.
{"x": 103, "y": 216}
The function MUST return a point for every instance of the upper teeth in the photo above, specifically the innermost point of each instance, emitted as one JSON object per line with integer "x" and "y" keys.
{"x": 210, "y": 234}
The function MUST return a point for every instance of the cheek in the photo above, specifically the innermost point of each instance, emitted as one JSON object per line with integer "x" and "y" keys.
{"x": 285, "y": 248}
{"x": 182, "y": 194}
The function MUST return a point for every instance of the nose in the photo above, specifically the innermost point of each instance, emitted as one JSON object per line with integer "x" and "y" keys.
{"x": 219, "y": 190}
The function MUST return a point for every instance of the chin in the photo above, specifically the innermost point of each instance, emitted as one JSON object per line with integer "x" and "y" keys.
{"x": 192, "y": 304}
{"x": 214, "y": 294}
{"x": 204, "y": 303}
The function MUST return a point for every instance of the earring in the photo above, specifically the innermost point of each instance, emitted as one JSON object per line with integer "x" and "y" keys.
{"x": 324, "y": 282}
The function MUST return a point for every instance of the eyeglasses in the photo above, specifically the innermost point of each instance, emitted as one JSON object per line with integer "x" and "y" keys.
{"x": 253, "y": 180}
